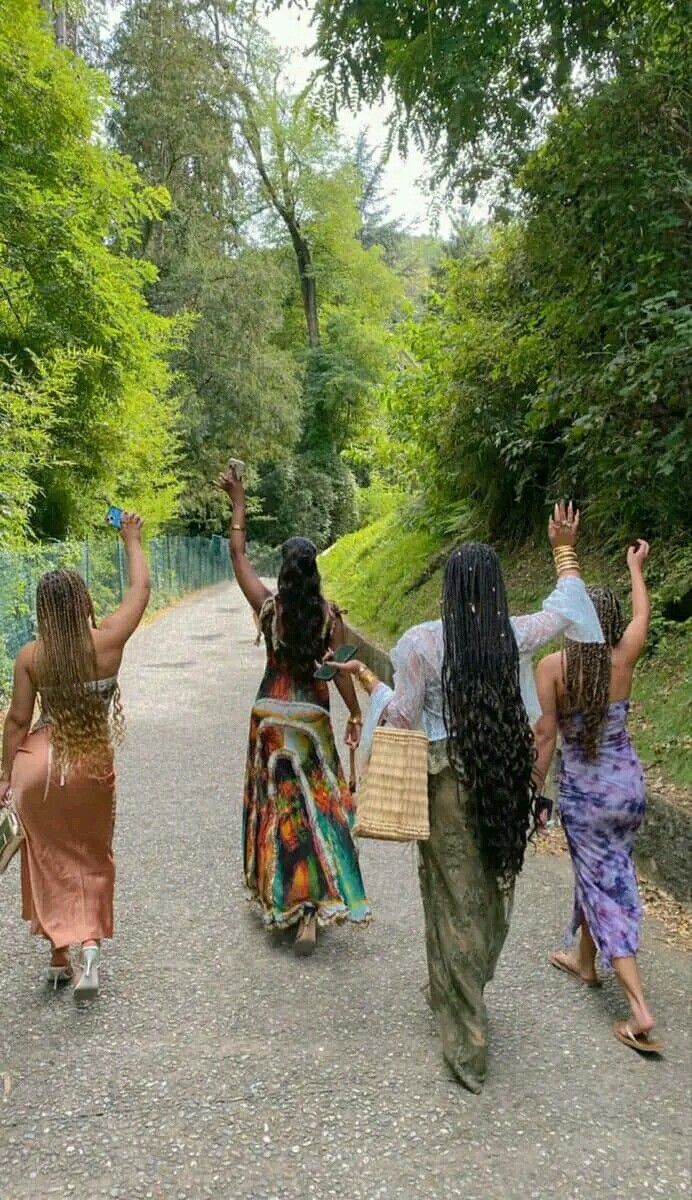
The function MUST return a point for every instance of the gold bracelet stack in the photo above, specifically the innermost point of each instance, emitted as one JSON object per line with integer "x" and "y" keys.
{"x": 565, "y": 559}
{"x": 367, "y": 679}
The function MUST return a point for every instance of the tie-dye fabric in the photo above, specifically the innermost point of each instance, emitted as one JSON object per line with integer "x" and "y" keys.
{"x": 299, "y": 853}
{"x": 602, "y": 805}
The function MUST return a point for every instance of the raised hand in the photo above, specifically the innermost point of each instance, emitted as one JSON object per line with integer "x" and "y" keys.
{"x": 233, "y": 487}
{"x": 638, "y": 554}
{"x": 131, "y": 527}
{"x": 563, "y": 526}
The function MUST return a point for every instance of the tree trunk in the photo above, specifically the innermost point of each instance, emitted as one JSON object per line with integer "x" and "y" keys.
{"x": 308, "y": 286}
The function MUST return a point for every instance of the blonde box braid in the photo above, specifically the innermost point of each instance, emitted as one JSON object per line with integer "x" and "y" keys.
{"x": 587, "y": 671}
{"x": 82, "y": 730}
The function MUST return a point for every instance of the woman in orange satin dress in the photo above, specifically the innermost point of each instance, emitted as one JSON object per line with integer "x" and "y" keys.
{"x": 60, "y": 773}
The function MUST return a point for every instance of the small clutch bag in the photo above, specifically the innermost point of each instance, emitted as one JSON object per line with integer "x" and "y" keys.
{"x": 11, "y": 835}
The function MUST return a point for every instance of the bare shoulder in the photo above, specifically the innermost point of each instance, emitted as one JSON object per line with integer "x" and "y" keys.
{"x": 25, "y": 657}
{"x": 550, "y": 667}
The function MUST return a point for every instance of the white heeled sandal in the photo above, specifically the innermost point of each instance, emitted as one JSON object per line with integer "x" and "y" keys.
{"x": 58, "y": 975}
{"x": 87, "y": 986}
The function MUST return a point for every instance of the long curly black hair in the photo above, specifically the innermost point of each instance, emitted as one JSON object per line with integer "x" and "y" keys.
{"x": 302, "y": 607}
{"x": 587, "y": 668}
{"x": 490, "y": 743}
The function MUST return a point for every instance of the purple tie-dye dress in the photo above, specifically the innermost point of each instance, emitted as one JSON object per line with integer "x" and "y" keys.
{"x": 602, "y": 804}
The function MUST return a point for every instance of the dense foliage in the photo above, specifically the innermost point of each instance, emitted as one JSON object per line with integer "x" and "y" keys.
{"x": 85, "y": 411}
{"x": 556, "y": 356}
{"x": 230, "y": 280}
{"x": 475, "y": 81}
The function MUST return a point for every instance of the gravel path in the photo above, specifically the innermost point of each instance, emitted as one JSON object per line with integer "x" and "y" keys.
{"x": 215, "y": 1064}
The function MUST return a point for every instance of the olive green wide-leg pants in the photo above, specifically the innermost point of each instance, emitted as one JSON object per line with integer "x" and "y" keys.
{"x": 466, "y": 921}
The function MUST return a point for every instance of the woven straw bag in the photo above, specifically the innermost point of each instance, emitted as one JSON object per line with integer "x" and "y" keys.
{"x": 393, "y": 799}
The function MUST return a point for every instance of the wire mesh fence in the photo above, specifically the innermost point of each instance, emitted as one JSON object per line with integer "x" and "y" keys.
{"x": 178, "y": 565}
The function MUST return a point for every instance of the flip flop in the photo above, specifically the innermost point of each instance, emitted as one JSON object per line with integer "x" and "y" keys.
{"x": 636, "y": 1041}
{"x": 568, "y": 970}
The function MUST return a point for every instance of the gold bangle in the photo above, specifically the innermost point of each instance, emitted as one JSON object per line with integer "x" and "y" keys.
{"x": 367, "y": 678}
{"x": 240, "y": 528}
{"x": 565, "y": 566}
{"x": 354, "y": 721}
{"x": 564, "y": 554}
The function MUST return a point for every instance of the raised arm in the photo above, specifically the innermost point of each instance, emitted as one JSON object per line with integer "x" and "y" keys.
{"x": 401, "y": 706}
{"x": 633, "y": 640}
{"x": 121, "y": 624}
{"x": 19, "y": 716}
{"x": 249, "y": 581}
{"x": 568, "y": 608}
{"x": 545, "y": 732}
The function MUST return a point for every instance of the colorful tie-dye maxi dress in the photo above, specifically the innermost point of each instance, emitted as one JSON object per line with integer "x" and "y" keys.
{"x": 299, "y": 853}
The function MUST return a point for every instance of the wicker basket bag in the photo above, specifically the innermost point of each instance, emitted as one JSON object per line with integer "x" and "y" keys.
{"x": 393, "y": 798}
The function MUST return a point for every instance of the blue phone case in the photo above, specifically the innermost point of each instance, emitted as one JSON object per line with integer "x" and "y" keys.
{"x": 114, "y": 516}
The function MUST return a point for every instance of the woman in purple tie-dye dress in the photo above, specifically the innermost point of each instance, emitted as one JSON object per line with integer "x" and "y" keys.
{"x": 584, "y": 692}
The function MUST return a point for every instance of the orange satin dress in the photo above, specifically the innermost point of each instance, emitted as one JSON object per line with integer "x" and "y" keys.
{"x": 67, "y": 866}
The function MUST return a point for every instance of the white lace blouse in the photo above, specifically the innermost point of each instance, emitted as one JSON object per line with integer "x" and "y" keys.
{"x": 415, "y": 702}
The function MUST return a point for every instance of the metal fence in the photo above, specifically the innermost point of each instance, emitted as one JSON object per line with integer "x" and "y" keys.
{"x": 178, "y": 565}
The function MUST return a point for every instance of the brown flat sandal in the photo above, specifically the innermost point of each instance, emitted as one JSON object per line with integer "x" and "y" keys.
{"x": 636, "y": 1041}
{"x": 560, "y": 965}
{"x": 306, "y": 937}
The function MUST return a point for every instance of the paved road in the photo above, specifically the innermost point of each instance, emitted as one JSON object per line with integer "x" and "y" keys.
{"x": 217, "y": 1065}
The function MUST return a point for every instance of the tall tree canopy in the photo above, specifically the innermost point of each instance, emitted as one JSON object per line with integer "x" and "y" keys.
{"x": 85, "y": 409}
{"x": 475, "y": 81}
{"x": 558, "y": 353}
{"x": 263, "y": 243}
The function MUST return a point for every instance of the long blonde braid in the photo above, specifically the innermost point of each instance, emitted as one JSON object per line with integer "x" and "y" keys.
{"x": 83, "y": 731}
{"x": 588, "y": 668}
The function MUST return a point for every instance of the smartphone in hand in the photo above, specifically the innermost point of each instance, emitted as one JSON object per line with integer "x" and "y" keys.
{"x": 342, "y": 654}
{"x": 237, "y": 468}
{"x": 114, "y": 516}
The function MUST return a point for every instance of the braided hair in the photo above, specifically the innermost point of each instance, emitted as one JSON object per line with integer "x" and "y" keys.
{"x": 490, "y": 743}
{"x": 587, "y": 671}
{"x": 82, "y": 731}
{"x": 302, "y": 607}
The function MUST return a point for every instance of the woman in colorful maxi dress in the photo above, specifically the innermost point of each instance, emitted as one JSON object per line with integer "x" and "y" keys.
{"x": 300, "y": 860}
{"x": 60, "y": 773}
{"x": 467, "y": 681}
{"x": 585, "y": 693}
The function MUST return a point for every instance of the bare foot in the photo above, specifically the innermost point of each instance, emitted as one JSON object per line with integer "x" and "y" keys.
{"x": 569, "y": 962}
{"x": 641, "y": 1020}
{"x": 637, "y": 1039}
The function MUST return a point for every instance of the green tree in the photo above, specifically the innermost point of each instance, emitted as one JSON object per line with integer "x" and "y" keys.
{"x": 77, "y": 339}
{"x": 475, "y": 81}
{"x": 556, "y": 355}
{"x": 239, "y": 388}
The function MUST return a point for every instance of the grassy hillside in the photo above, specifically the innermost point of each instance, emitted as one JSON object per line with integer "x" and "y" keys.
{"x": 389, "y": 578}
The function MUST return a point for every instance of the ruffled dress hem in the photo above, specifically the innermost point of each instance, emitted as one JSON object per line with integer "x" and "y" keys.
{"x": 329, "y": 912}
